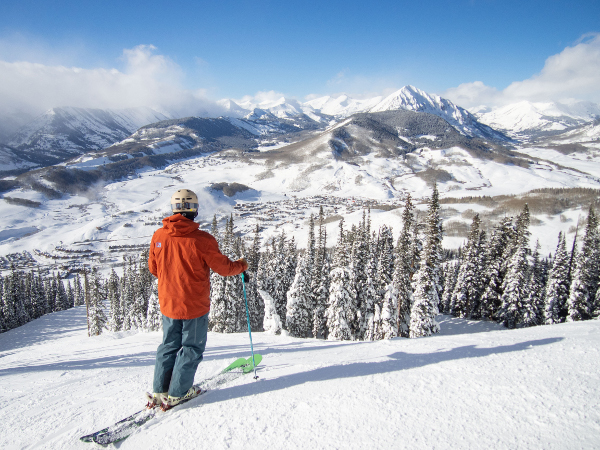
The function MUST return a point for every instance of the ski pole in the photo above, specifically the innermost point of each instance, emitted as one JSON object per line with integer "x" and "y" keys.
{"x": 243, "y": 275}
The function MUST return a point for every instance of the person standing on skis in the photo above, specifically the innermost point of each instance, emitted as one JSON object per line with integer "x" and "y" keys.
{"x": 181, "y": 257}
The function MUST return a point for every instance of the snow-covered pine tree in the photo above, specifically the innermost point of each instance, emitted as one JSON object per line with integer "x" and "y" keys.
{"x": 62, "y": 301}
{"x": 223, "y": 312}
{"x": 320, "y": 281}
{"x": 536, "y": 291}
{"x": 426, "y": 280}
{"x": 494, "y": 273}
{"x": 585, "y": 277}
{"x": 139, "y": 306}
{"x": 373, "y": 319}
{"x": 557, "y": 287}
{"x": 342, "y": 296}
{"x": 153, "y": 316}
{"x": 466, "y": 295}
{"x": 272, "y": 321}
{"x": 51, "y": 289}
{"x": 516, "y": 310}
{"x": 364, "y": 293}
{"x": 387, "y": 328}
{"x": 96, "y": 317}
{"x": 238, "y": 300}
{"x": 299, "y": 301}
{"x": 451, "y": 276}
{"x": 40, "y": 300}
{"x": 9, "y": 300}
{"x": 70, "y": 296}
{"x": 405, "y": 266}
{"x": 283, "y": 274}
{"x": 255, "y": 301}
{"x": 78, "y": 291}
{"x": 115, "y": 318}
{"x": 127, "y": 295}
{"x": 217, "y": 289}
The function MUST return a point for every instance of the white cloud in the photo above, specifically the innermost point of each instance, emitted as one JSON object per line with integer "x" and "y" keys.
{"x": 264, "y": 98}
{"x": 148, "y": 79}
{"x": 571, "y": 74}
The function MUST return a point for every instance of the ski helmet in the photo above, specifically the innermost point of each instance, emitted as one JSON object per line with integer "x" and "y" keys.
{"x": 185, "y": 202}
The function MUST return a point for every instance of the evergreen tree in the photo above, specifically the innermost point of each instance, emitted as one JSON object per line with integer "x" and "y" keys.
{"x": 387, "y": 326}
{"x": 515, "y": 309}
{"x": 493, "y": 277}
{"x": 342, "y": 296}
{"x": 299, "y": 300}
{"x": 96, "y": 317}
{"x": 115, "y": 320}
{"x": 272, "y": 321}
{"x": 467, "y": 291}
{"x": 255, "y": 301}
{"x": 450, "y": 279}
{"x": 536, "y": 291}
{"x": 320, "y": 281}
{"x": 586, "y": 274}
{"x": 40, "y": 300}
{"x": 364, "y": 291}
{"x": 426, "y": 280}
{"x": 78, "y": 291}
{"x": 153, "y": 316}
{"x": 373, "y": 318}
{"x": 10, "y": 298}
{"x": 70, "y": 295}
{"x": 224, "y": 311}
{"x": 557, "y": 288}
{"x": 62, "y": 301}
{"x": 219, "y": 308}
{"x": 405, "y": 267}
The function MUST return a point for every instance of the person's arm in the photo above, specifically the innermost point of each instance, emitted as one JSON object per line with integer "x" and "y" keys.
{"x": 220, "y": 263}
{"x": 152, "y": 260}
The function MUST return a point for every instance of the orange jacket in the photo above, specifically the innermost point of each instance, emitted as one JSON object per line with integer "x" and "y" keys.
{"x": 180, "y": 257}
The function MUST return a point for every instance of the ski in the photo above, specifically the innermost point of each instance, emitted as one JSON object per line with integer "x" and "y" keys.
{"x": 125, "y": 427}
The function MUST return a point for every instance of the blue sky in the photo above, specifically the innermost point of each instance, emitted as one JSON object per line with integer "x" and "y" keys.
{"x": 236, "y": 48}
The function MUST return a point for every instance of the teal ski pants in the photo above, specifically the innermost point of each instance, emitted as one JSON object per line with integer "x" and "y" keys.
{"x": 178, "y": 356}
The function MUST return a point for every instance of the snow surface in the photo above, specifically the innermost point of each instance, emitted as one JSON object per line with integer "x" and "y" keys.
{"x": 475, "y": 385}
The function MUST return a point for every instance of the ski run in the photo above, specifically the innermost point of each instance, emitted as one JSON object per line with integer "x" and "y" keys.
{"x": 474, "y": 385}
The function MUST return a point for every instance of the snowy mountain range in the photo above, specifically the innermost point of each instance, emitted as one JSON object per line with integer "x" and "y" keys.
{"x": 534, "y": 121}
{"x": 63, "y": 133}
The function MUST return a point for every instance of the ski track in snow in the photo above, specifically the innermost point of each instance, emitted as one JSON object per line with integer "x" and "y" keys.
{"x": 475, "y": 385}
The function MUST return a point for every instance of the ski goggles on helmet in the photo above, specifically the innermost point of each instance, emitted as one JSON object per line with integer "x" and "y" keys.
{"x": 183, "y": 205}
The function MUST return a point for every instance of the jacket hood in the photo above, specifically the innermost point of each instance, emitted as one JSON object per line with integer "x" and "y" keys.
{"x": 177, "y": 225}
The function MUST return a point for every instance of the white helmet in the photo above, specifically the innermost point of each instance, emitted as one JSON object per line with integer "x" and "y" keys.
{"x": 185, "y": 202}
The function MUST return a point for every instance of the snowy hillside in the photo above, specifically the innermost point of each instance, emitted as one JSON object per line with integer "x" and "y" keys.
{"x": 408, "y": 98}
{"x": 413, "y": 99}
{"x": 528, "y": 120}
{"x": 472, "y": 386}
{"x": 62, "y": 133}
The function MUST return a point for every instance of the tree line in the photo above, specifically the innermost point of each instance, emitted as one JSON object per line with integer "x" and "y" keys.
{"x": 365, "y": 287}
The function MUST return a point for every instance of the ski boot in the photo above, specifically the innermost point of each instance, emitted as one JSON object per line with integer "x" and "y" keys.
{"x": 155, "y": 399}
{"x": 170, "y": 401}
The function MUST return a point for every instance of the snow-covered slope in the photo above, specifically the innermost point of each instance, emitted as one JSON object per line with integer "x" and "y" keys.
{"x": 10, "y": 161}
{"x": 408, "y": 98}
{"x": 472, "y": 386}
{"x": 528, "y": 120}
{"x": 413, "y": 99}
{"x": 62, "y": 133}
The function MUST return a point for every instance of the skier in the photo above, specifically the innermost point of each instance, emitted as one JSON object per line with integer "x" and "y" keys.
{"x": 180, "y": 257}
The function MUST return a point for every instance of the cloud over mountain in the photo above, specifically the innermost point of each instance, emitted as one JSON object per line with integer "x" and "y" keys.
{"x": 570, "y": 74}
{"x": 148, "y": 79}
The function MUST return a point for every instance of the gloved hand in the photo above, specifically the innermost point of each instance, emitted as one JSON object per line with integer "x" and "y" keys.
{"x": 243, "y": 260}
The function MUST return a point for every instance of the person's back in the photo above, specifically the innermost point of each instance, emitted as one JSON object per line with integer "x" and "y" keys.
{"x": 181, "y": 257}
